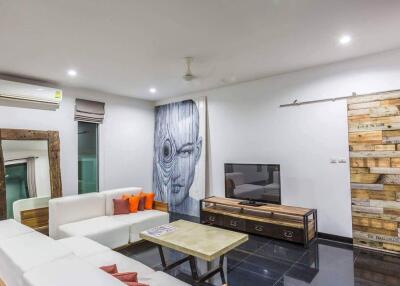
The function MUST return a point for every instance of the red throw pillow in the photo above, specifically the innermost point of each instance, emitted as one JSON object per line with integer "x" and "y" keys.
{"x": 121, "y": 206}
{"x": 111, "y": 269}
{"x": 142, "y": 201}
{"x": 149, "y": 201}
{"x": 126, "y": 276}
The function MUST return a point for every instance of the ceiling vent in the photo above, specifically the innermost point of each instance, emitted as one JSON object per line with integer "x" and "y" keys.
{"x": 18, "y": 94}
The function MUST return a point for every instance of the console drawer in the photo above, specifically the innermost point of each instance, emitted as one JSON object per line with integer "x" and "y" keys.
{"x": 234, "y": 223}
{"x": 211, "y": 218}
{"x": 275, "y": 231}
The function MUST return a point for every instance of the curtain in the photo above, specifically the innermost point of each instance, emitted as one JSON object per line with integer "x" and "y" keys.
{"x": 89, "y": 111}
{"x": 31, "y": 177}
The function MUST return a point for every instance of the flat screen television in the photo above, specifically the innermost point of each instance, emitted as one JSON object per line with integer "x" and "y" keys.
{"x": 253, "y": 182}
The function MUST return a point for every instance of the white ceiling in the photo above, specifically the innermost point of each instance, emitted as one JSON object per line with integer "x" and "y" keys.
{"x": 127, "y": 46}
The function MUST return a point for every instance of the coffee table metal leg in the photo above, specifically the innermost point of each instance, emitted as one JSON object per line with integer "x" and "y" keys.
{"x": 210, "y": 273}
{"x": 160, "y": 250}
{"x": 193, "y": 268}
{"x": 221, "y": 269}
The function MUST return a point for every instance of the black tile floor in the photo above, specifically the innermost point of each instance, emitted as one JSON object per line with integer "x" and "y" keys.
{"x": 262, "y": 261}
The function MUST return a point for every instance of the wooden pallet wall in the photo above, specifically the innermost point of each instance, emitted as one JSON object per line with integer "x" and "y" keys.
{"x": 374, "y": 143}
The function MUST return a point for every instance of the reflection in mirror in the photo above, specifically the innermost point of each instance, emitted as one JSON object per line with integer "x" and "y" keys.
{"x": 27, "y": 175}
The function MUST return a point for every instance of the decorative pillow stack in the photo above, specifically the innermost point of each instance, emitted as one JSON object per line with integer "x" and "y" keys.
{"x": 133, "y": 203}
{"x": 128, "y": 278}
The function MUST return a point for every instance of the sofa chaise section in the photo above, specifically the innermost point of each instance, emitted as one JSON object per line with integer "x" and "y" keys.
{"x": 22, "y": 253}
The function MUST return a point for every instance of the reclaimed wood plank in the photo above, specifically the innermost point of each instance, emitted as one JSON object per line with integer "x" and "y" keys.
{"x": 392, "y": 188}
{"x": 367, "y": 119}
{"x": 387, "y": 147}
{"x": 395, "y": 162}
{"x": 385, "y": 204}
{"x": 394, "y": 101}
{"x": 364, "y": 105}
{"x": 391, "y": 140}
{"x": 357, "y": 170}
{"x": 360, "y": 202}
{"x": 385, "y": 195}
{"x": 358, "y": 112}
{"x": 375, "y": 154}
{"x": 364, "y": 178}
{"x": 370, "y": 162}
{"x": 372, "y": 187}
{"x": 376, "y": 237}
{"x": 366, "y": 137}
{"x": 373, "y": 230}
{"x": 390, "y": 211}
{"x": 390, "y": 179}
{"x": 381, "y": 170}
{"x": 374, "y": 97}
{"x": 392, "y": 247}
{"x": 372, "y": 126}
{"x": 373, "y": 210}
{"x": 362, "y": 147}
{"x": 360, "y": 194}
{"x": 392, "y": 133}
{"x": 383, "y": 111}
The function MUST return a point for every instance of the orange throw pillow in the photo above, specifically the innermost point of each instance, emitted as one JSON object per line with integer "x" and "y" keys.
{"x": 126, "y": 196}
{"x": 148, "y": 205}
{"x": 134, "y": 204}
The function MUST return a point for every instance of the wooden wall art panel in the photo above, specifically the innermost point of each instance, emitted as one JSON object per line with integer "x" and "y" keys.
{"x": 374, "y": 143}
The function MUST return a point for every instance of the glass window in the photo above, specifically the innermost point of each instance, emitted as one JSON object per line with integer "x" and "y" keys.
{"x": 88, "y": 160}
{"x": 16, "y": 185}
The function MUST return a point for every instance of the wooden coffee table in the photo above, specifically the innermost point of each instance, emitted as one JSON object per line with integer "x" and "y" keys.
{"x": 197, "y": 241}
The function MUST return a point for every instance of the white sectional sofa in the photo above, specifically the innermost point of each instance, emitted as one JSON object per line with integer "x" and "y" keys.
{"x": 91, "y": 216}
{"x": 29, "y": 258}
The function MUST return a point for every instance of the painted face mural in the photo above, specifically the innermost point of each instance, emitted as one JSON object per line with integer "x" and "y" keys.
{"x": 177, "y": 149}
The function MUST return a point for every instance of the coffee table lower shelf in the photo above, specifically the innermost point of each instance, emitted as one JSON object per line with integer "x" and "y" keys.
{"x": 193, "y": 267}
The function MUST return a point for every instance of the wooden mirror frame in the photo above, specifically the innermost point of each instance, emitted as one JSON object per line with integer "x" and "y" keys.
{"x": 53, "y": 143}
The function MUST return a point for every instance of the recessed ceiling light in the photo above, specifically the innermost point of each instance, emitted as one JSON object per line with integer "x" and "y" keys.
{"x": 345, "y": 39}
{"x": 72, "y": 73}
{"x": 153, "y": 90}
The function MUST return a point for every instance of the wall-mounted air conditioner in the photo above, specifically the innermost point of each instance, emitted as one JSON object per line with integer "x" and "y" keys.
{"x": 18, "y": 94}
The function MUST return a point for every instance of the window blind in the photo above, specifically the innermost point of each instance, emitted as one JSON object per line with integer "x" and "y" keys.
{"x": 89, "y": 111}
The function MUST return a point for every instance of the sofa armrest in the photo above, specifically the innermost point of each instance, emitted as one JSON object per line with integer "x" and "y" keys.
{"x": 160, "y": 206}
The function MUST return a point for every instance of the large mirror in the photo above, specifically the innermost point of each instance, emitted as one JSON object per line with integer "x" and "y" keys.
{"x": 29, "y": 173}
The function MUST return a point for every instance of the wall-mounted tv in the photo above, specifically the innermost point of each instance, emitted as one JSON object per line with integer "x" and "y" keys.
{"x": 253, "y": 182}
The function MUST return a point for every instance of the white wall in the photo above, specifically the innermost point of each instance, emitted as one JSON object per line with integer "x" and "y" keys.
{"x": 126, "y": 137}
{"x": 247, "y": 125}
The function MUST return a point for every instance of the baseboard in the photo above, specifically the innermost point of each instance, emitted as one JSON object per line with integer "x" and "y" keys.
{"x": 333, "y": 237}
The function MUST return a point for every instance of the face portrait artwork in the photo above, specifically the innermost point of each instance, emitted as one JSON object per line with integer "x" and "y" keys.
{"x": 177, "y": 150}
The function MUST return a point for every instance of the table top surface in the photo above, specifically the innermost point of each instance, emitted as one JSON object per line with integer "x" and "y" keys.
{"x": 202, "y": 241}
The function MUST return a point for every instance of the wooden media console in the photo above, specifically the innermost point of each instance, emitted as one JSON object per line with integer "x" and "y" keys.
{"x": 277, "y": 221}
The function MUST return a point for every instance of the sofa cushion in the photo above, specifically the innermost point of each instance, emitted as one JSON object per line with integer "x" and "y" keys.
{"x": 143, "y": 220}
{"x": 163, "y": 279}
{"x": 105, "y": 230}
{"x": 116, "y": 194}
{"x": 74, "y": 208}
{"x": 67, "y": 272}
{"x": 11, "y": 228}
{"x": 82, "y": 246}
{"x": 124, "y": 263}
{"x": 22, "y": 253}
